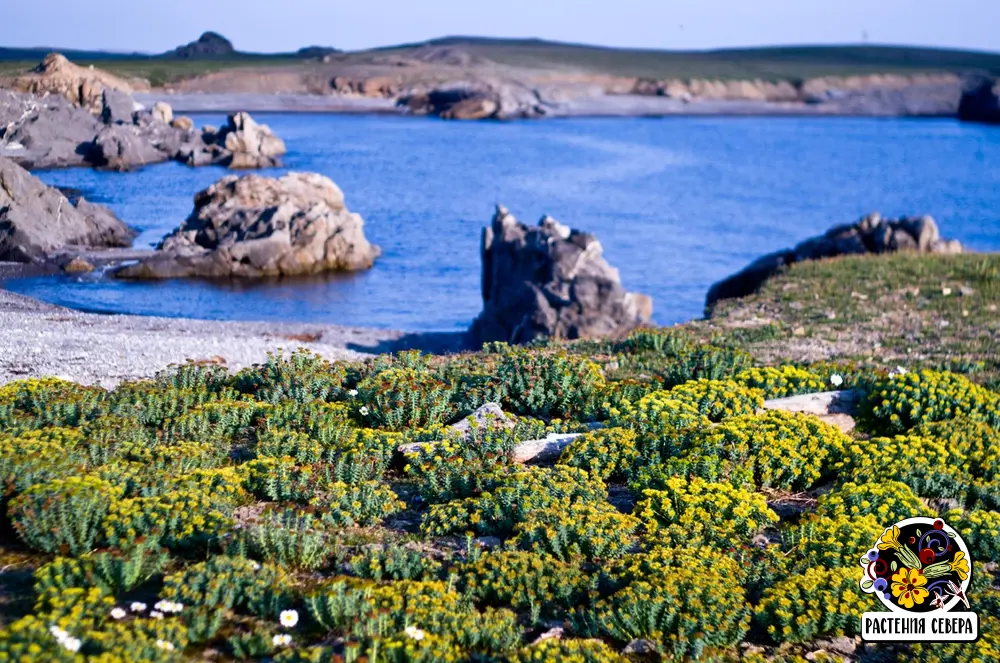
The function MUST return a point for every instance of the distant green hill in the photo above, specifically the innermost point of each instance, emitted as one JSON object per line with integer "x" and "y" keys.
{"x": 770, "y": 63}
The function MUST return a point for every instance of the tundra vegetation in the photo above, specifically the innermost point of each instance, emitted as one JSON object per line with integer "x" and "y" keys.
{"x": 270, "y": 514}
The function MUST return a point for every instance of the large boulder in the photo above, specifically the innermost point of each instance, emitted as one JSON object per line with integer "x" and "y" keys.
{"x": 81, "y": 86}
{"x": 45, "y": 132}
{"x": 254, "y": 226}
{"x": 122, "y": 148}
{"x": 37, "y": 221}
{"x": 550, "y": 281}
{"x": 872, "y": 234}
{"x": 980, "y": 100}
{"x": 491, "y": 99}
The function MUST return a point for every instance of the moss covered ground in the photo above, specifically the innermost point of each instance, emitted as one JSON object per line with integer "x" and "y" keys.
{"x": 303, "y": 510}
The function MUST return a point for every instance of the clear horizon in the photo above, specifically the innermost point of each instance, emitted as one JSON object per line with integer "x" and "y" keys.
{"x": 255, "y": 26}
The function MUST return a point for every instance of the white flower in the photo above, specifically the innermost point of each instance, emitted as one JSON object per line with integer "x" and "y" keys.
{"x": 255, "y": 566}
{"x": 137, "y": 607}
{"x": 414, "y": 632}
{"x": 168, "y": 606}
{"x": 163, "y": 644}
{"x": 363, "y": 411}
{"x": 58, "y": 632}
{"x": 281, "y": 640}
{"x": 945, "y": 291}
{"x": 156, "y": 614}
{"x": 899, "y": 370}
{"x": 352, "y": 393}
{"x": 71, "y": 644}
{"x": 288, "y": 618}
{"x": 118, "y": 613}
{"x": 836, "y": 380}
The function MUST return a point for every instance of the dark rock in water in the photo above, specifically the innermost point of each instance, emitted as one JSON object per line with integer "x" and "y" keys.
{"x": 241, "y": 144}
{"x": 209, "y": 45}
{"x": 117, "y": 107}
{"x": 872, "y": 234}
{"x": 485, "y": 100}
{"x": 550, "y": 281}
{"x": 121, "y": 147}
{"x": 256, "y": 226}
{"x": 37, "y": 221}
{"x": 980, "y": 100}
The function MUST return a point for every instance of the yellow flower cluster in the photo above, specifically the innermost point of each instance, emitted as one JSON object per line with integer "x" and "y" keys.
{"x": 717, "y": 511}
{"x": 888, "y": 502}
{"x": 980, "y": 530}
{"x": 818, "y": 602}
{"x": 901, "y": 402}
{"x": 560, "y": 650}
{"x": 782, "y": 381}
{"x": 833, "y": 541}
{"x": 525, "y": 581}
{"x": 783, "y": 450}
{"x": 927, "y": 465}
{"x": 592, "y": 531}
{"x": 610, "y": 453}
{"x": 719, "y": 399}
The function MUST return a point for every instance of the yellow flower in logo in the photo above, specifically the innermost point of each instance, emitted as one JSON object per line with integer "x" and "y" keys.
{"x": 908, "y": 587}
{"x": 890, "y": 539}
{"x": 960, "y": 565}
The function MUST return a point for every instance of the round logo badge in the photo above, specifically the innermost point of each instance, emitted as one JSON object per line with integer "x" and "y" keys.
{"x": 918, "y": 565}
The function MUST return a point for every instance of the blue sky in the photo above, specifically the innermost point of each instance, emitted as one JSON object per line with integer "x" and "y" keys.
{"x": 265, "y": 25}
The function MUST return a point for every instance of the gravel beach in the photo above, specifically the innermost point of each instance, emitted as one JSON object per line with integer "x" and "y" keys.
{"x": 38, "y": 339}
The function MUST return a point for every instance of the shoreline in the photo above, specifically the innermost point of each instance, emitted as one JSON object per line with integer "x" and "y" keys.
{"x": 597, "y": 106}
{"x": 42, "y": 339}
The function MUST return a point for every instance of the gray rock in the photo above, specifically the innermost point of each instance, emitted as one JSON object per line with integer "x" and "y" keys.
{"x": 550, "y": 281}
{"x": 640, "y": 647}
{"x": 45, "y": 131}
{"x": 78, "y": 265}
{"x": 490, "y": 414}
{"x": 37, "y": 221}
{"x": 872, "y": 234}
{"x": 116, "y": 107}
{"x": 476, "y": 101}
{"x": 120, "y": 147}
{"x": 256, "y": 226}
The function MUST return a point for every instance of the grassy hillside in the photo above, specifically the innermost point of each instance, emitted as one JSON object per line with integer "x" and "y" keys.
{"x": 771, "y": 63}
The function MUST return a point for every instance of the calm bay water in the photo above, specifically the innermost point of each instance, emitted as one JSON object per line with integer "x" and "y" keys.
{"x": 677, "y": 203}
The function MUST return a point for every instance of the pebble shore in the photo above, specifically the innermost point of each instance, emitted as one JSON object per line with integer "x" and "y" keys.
{"x": 39, "y": 339}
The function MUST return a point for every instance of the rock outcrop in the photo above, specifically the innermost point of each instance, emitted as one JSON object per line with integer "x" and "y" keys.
{"x": 254, "y": 226}
{"x": 241, "y": 144}
{"x": 48, "y": 131}
{"x": 209, "y": 45}
{"x": 37, "y": 221}
{"x": 550, "y": 281}
{"x": 479, "y": 101}
{"x": 980, "y": 100}
{"x": 81, "y": 86}
{"x": 872, "y": 234}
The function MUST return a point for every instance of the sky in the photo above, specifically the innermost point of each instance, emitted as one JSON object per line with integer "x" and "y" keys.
{"x": 287, "y": 25}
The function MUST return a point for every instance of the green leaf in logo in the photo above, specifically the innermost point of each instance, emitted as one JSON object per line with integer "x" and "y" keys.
{"x": 894, "y": 565}
{"x": 867, "y": 584}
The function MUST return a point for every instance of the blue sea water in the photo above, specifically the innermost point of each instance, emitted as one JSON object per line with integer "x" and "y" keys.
{"x": 677, "y": 203}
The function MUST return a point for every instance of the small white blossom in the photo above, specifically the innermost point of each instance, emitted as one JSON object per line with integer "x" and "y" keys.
{"x": 168, "y": 606}
{"x": 58, "y": 632}
{"x": 156, "y": 614}
{"x": 288, "y": 618}
{"x": 118, "y": 613}
{"x": 71, "y": 644}
{"x": 137, "y": 606}
{"x": 255, "y": 566}
{"x": 899, "y": 370}
{"x": 414, "y": 632}
{"x": 163, "y": 644}
{"x": 281, "y": 640}
{"x": 352, "y": 393}
{"x": 945, "y": 291}
{"x": 363, "y": 411}
{"x": 836, "y": 380}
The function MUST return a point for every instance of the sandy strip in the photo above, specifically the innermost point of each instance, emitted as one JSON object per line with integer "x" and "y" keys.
{"x": 39, "y": 339}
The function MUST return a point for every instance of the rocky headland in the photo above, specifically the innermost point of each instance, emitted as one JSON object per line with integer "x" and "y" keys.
{"x": 63, "y": 115}
{"x": 870, "y": 235}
